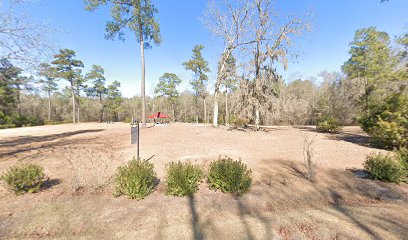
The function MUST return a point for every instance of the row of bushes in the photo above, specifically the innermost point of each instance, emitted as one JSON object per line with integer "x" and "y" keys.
{"x": 137, "y": 179}
{"x": 15, "y": 120}
{"x": 388, "y": 167}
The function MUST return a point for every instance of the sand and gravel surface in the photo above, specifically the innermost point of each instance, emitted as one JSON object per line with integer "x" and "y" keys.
{"x": 341, "y": 203}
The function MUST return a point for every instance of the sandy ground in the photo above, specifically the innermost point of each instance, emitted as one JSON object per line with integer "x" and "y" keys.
{"x": 282, "y": 203}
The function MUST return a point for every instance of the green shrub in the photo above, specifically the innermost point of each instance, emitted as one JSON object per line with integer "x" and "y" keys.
{"x": 51, "y": 122}
{"x": 387, "y": 122}
{"x": 15, "y": 120}
{"x": 5, "y": 121}
{"x": 135, "y": 180}
{"x": 385, "y": 168}
{"x": 389, "y": 134}
{"x": 23, "y": 179}
{"x": 328, "y": 124}
{"x": 25, "y": 120}
{"x": 8, "y": 125}
{"x": 402, "y": 156}
{"x": 229, "y": 176}
{"x": 183, "y": 178}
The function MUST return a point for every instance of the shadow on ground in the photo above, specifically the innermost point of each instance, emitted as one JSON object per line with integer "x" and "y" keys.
{"x": 47, "y": 138}
{"x": 283, "y": 204}
{"x": 19, "y": 145}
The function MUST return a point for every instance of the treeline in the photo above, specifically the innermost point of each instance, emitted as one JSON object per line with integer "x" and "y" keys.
{"x": 368, "y": 78}
{"x": 43, "y": 99}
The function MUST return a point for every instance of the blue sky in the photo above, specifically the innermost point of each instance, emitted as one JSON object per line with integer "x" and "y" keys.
{"x": 325, "y": 48}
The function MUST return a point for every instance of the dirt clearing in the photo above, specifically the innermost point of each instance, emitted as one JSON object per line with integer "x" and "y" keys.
{"x": 282, "y": 203}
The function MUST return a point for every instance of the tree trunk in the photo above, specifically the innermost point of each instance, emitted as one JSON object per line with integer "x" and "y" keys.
{"x": 174, "y": 112}
{"x": 49, "y": 106}
{"x": 215, "y": 115}
{"x": 73, "y": 103}
{"x": 257, "y": 119}
{"x": 102, "y": 108}
{"x": 143, "y": 79}
{"x": 226, "y": 109}
{"x": 18, "y": 100}
{"x": 78, "y": 112}
{"x": 205, "y": 112}
{"x": 215, "y": 119}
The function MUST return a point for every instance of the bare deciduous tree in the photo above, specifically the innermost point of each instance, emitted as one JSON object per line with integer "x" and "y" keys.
{"x": 308, "y": 156}
{"x": 22, "y": 40}
{"x": 254, "y": 27}
{"x": 270, "y": 43}
{"x": 228, "y": 20}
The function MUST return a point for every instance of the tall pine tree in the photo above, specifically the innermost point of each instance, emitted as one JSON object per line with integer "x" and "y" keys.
{"x": 68, "y": 68}
{"x": 138, "y": 17}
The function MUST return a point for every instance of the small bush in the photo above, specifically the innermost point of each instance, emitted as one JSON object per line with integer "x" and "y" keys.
{"x": 328, "y": 125}
{"x": 23, "y": 179}
{"x": 183, "y": 178}
{"x": 229, "y": 176}
{"x": 135, "y": 180}
{"x": 402, "y": 156}
{"x": 26, "y": 121}
{"x": 387, "y": 134}
{"x": 238, "y": 121}
{"x": 385, "y": 168}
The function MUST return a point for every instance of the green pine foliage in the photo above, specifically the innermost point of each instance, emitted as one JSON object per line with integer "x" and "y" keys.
{"x": 385, "y": 168}
{"x": 24, "y": 179}
{"x": 136, "y": 180}
{"x": 199, "y": 66}
{"x": 328, "y": 125}
{"x": 387, "y": 123}
{"x": 402, "y": 156}
{"x": 183, "y": 178}
{"x": 229, "y": 176}
{"x": 15, "y": 120}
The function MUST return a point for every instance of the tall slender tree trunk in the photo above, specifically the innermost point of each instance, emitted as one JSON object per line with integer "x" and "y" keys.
{"x": 143, "y": 79}
{"x": 49, "y": 106}
{"x": 257, "y": 119}
{"x": 226, "y": 108}
{"x": 205, "y": 111}
{"x": 18, "y": 100}
{"x": 78, "y": 112}
{"x": 257, "y": 79}
{"x": 102, "y": 108}
{"x": 215, "y": 114}
{"x": 174, "y": 112}
{"x": 73, "y": 103}
{"x": 215, "y": 119}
